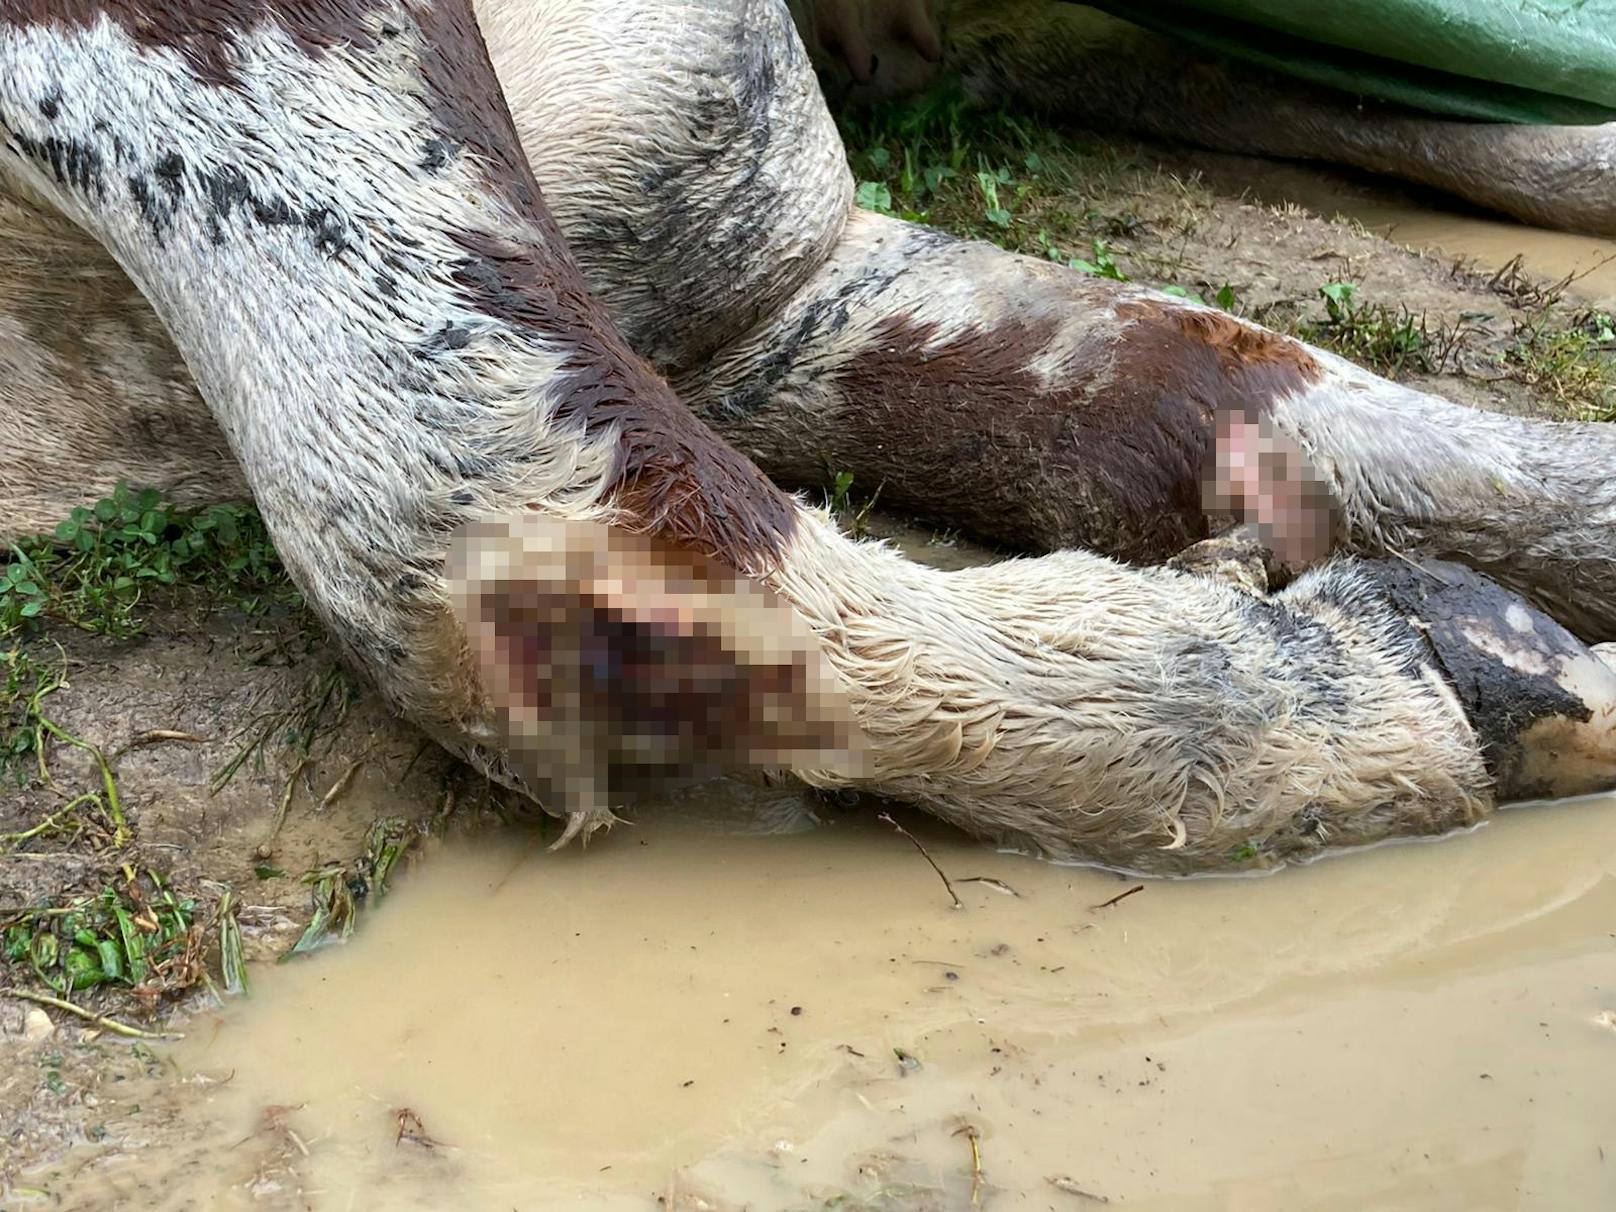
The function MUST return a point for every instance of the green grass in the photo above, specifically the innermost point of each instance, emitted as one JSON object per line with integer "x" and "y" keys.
{"x": 1387, "y": 340}
{"x": 994, "y": 175}
{"x": 307, "y": 725}
{"x": 105, "y": 562}
{"x": 23, "y": 688}
{"x": 1573, "y": 364}
{"x": 26, "y": 729}
{"x": 853, "y": 515}
{"x": 990, "y": 174}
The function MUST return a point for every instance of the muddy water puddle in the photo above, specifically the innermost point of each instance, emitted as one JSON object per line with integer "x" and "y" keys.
{"x": 1424, "y": 221}
{"x": 719, "y": 1018}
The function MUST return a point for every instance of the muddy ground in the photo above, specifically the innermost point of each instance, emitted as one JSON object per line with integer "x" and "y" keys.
{"x": 317, "y": 761}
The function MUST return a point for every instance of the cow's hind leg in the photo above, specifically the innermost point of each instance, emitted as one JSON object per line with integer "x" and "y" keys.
{"x": 1071, "y": 61}
{"x": 92, "y": 390}
{"x": 1024, "y": 403}
{"x": 1042, "y": 408}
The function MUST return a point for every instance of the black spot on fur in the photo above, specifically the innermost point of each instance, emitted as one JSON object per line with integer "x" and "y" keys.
{"x": 434, "y": 155}
{"x": 226, "y": 188}
{"x": 483, "y": 282}
{"x": 73, "y": 162}
{"x": 272, "y": 212}
{"x": 329, "y": 228}
{"x": 450, "y": 336}
{"x": 157, "y": 212}
{"x": 1302, "y": 643}
{"x": 822, "y": 319}
{"x": 1501, "y": 703}
{"x": 227, "y": 193}
{"x": 158, "y": 203}
{"x": 170, "y": 171}
{"x": 50, "y": 105}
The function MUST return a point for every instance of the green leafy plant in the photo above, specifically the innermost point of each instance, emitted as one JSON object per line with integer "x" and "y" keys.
{"x": 139, "y": 935}
{"x": 872, "y": 195}
{"x": 104, "y": 560}
{"x": 1372, "y": 335}
{"x": 1102, "y": 266}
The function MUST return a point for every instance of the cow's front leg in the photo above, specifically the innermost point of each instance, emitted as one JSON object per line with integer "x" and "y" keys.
{"x": 330, "y": 213}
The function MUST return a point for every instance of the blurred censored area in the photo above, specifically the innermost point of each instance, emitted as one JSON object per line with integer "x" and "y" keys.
{"x": 618, "y": 662}
{"x": 1261, "y": 477}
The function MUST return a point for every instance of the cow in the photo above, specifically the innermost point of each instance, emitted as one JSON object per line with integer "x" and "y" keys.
{"x": 468, "y": 358}
{"x": 1077, "y": 62}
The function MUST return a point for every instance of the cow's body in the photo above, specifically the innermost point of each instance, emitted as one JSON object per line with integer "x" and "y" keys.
{"x": 344, "y": 251}
{"x": 1071, "y": 61}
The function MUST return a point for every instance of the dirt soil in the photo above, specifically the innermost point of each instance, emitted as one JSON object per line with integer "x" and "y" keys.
{"x": 235, "y": 684}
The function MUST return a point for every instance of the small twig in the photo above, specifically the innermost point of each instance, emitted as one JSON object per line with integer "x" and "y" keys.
{"x": 969, "y": 1131}
{"x": 340, "y": 786}
{"x": 1071, "y": 1188}
{"x": 158, "y": 736}
{"x": 1121, "y": 896}
{"x": 10, "y": 839}
{"x": 410, "y": 1128}
{"x": 996, "y": 885}
{"x": 263, "y": 850}
{"x": 120, "y": 828}
{"x": 100, "y": 1020}
{"x": 958, "y": 904}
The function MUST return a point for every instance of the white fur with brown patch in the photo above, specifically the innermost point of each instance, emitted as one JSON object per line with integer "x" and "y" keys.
{"x": 593, "y": 99}
{"x": 318, "y": 380}
{"x": 1143, "y": 718}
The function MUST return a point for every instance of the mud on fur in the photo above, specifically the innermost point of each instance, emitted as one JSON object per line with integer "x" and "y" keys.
{"x": 397, "y": 349}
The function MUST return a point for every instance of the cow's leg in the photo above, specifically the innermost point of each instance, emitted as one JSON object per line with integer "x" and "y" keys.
{"x": 1024, "y": 403}
{"x": 92, "y": 390}
{"x": 330, "y": 212}
{"x": 686, "y": 151}
{"x": 396, "y": 344}
{"x": 687, "y": 156}
{"x": 1071, "y": 61}
{"x": 1099, "y": 440}
{"x": 1036, "y": 406}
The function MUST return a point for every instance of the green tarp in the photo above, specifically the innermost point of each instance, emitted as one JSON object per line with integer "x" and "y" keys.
{"x": 1496, "y": 60}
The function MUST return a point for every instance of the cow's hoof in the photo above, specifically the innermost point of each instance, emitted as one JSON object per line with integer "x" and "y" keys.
{"x": 1238, "y": 557}
{"x": 1542, "y": 703}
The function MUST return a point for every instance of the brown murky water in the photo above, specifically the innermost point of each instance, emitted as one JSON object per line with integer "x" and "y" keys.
{"x": 692, "y": 1011}
{"x": 1426, "y": 221}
